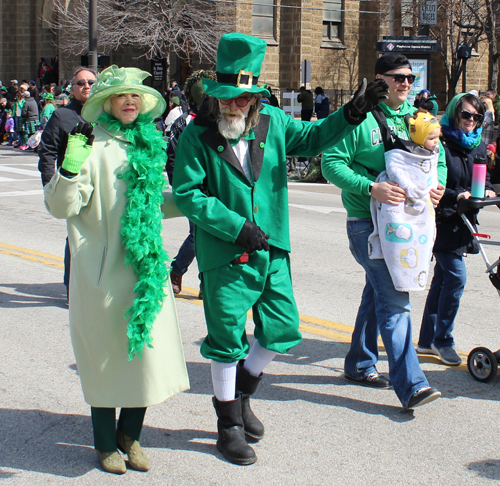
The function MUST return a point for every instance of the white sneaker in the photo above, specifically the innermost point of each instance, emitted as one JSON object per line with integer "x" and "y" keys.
{"x": 423, "y": 350}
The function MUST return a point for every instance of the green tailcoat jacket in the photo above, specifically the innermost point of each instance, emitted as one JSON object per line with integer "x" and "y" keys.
{"x": 211, "y": 189}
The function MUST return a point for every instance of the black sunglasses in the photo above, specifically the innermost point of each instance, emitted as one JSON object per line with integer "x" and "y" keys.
{"x": 83, "y": 82}
{"x": 467, "y": 115}
{"x": 400, "y": 78}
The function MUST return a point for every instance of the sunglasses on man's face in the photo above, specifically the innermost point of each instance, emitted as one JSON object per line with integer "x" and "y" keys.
{"x": 400, "y": 78}
{"x": 241, "y": 102}
{"x": 467, "y": 115}
{"x": 83, "y": 82}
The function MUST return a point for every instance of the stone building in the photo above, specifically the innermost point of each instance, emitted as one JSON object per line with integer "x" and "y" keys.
{"x": 338, "y": 37}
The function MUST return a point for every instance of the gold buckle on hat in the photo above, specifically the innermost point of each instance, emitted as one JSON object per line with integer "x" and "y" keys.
{"x": 244, "y": 76}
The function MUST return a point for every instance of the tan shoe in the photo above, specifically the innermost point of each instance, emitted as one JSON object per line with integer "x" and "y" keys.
{"x": 112, "y": 462}
{"x": 136, "y": 457}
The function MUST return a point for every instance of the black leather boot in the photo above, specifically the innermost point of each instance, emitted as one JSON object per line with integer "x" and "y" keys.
{"x": 231, "y": 436}
{"x": 247, "y": 384}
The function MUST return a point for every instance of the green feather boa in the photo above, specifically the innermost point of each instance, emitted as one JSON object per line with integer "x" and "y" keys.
{"x": 141, "y": 225}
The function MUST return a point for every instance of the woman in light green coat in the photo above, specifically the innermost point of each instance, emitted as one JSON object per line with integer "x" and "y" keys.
{"x": 123, "y": 320}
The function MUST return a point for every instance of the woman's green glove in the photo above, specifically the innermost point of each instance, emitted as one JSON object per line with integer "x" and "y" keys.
{"x": 80, "y": 142}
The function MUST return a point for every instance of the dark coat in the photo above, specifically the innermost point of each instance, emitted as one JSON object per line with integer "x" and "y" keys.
{"x": 30, "y": 110}
{"x": 55, "y": 138}
{"x": 453, "y": 236}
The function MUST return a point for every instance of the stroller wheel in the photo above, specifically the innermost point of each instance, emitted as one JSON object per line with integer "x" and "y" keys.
{"x": 482, "y": 364}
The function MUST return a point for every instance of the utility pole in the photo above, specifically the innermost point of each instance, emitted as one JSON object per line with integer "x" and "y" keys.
{"x": 93, "y": 34}
{"x": 395, "y": 24}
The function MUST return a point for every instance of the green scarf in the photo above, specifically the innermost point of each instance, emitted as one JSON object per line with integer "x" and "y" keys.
{"x": 141, "y": 225}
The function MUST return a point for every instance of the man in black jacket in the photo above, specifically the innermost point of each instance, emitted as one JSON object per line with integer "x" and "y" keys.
{"x": 195, "y": 95}
{"x": 55, "y": 136}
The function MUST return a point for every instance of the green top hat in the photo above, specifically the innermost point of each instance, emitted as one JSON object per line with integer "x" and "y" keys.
{"x": 239, "y": 61}
{"x": 114, "y": 80}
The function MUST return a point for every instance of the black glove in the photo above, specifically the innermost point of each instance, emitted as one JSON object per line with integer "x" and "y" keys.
{"x": 86, "y": 130}
{"x": 252, "y": 238}
{"x": 365, "y": 99}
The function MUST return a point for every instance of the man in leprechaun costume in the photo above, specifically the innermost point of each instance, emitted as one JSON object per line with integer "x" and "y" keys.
{"x": 230, "y": 180}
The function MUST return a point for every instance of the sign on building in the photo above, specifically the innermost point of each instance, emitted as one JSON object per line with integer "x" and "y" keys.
{"x": 428, "y": 13}
{"x": 158, "y": 68}
{"x": 419, "y": 67}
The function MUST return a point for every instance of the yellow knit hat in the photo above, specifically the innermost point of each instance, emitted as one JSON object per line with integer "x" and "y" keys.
{"x": 421, "y": 124}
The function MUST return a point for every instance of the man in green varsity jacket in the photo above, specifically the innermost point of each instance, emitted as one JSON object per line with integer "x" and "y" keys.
{"x": 230, "y": 180}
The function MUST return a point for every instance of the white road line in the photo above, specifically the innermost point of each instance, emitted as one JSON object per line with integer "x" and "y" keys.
{"x": 318, "y": 209}
{"x": 22, "y": 193}
{"x": 34, "y": 164}
{"x": 8, "y": 179}
{"x": 13, "y": 170}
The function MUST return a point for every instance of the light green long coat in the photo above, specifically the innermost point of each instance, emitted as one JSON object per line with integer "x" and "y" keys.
{"x": 101, "y": 287}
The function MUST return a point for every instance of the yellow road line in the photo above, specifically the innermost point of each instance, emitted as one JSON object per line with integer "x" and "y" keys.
{"x": 31, "y": 252}
{"x": 320, "y": 327}
{"x": 31, "y": 255}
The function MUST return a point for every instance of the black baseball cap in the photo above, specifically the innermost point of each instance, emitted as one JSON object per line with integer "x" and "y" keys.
{"x": 390, "y": 61}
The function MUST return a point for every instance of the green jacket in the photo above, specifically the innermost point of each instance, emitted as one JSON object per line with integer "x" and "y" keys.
{"x": 47, "y": 111}
{"x": 435, "y": 106}
{"x": 496, "y": 105}
{"x": 354, "y": 162}
{"x": 211, "y": 189}
{"x": 307, "y": 100}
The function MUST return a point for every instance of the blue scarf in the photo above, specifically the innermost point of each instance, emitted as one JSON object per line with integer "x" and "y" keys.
{"x": 466, "y": 140}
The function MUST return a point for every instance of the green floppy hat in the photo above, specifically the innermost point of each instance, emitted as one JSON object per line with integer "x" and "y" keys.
{"x": 114, "y": 80}
{"x": 239, "y": 61}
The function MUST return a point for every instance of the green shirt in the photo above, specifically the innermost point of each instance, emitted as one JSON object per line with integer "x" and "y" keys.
{"x": 354, "y": 162}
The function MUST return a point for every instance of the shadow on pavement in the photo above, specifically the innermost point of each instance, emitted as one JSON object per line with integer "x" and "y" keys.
{"x": 33, "y": 295}
{"x": 452, "y": 382}
{"x": 489, "y": 468}
{"x": 288, "y": 387}
{"x": 61, "y": 444}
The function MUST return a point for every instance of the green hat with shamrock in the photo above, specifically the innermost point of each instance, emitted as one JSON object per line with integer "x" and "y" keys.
{"x": 114, "y": 80}
{"x": 239, "y": 62}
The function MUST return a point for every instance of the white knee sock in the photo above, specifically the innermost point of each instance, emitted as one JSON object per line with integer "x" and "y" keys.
{"x": 224, "y": 380}
{"x": 258, "y": 358}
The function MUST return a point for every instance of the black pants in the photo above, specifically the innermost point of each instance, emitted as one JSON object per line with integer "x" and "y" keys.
{"x": 305, "y": 115}
{"x": 104, "y": 425}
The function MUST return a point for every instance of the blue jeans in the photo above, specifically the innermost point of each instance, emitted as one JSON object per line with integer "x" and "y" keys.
{"x": 443, "y": 300}
{"x": 186, "y": 254}
{"x": 383, "y": 309}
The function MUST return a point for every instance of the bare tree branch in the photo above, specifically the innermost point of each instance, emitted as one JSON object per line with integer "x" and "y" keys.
{"x": 155, "y": 27}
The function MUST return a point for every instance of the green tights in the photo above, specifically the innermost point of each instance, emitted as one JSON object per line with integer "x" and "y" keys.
{"x": 104, "y": 424}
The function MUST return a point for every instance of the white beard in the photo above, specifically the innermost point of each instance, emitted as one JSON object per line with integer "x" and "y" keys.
{"x": 231, "y": 128}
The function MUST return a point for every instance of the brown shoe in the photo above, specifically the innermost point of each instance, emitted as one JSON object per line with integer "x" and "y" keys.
{"x": 176, "y": 282}
{"x": 136, "y": 457}
{"x": 112, "y": 462}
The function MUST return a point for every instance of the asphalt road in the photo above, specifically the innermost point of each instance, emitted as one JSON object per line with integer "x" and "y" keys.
{"x": 319, "y": 428}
